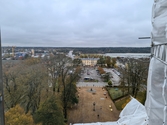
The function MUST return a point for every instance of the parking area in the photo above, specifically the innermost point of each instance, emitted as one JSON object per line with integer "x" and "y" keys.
{"x": 95, "y": 78}
{"x": 90, "y": 72}
{"x": 115, "y": 76}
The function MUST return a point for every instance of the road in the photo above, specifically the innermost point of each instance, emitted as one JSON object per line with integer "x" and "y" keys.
{"x": 91, "y": 84}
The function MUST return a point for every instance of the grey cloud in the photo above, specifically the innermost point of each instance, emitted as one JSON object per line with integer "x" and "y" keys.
{"x": 92, "y": 23}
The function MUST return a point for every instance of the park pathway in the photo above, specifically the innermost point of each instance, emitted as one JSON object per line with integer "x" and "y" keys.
{"x": 91, "y": 84}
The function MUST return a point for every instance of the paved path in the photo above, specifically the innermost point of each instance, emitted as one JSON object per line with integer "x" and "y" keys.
{"x": 89, "y": 84}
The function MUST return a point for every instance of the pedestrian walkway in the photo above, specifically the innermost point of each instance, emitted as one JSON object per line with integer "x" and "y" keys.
{"x": 88, "y": 86}
{"x": 91, "y": 84}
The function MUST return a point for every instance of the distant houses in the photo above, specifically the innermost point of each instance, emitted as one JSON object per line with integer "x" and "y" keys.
{"x": 20, "y": 55}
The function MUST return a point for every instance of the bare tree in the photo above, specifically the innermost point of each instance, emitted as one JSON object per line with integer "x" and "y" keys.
{"x": 64, "y": 73}
{"x": 24, "y": 83}
{"x": 68, "y": 79}
{"x": 34, "y": 82}
{"x": 13, "y": 92}
{"x": 134, "y": 75}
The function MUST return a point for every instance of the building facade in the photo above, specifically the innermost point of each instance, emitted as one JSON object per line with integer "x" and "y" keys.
{"x": 89, "y": 61}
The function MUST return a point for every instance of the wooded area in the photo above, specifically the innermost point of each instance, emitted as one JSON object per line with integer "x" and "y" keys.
{"x": 42, "y": 89}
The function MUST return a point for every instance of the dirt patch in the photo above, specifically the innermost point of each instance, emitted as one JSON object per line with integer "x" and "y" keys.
{"x": 94, "y": 105}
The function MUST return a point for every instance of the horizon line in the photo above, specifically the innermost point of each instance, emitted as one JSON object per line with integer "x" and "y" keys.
{"x": 75, "y": 47}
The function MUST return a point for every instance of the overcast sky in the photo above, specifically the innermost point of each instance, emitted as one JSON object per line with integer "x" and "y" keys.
{"x": 75, "y": 23}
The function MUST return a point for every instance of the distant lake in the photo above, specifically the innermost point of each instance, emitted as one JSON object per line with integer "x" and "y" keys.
{"x": 129, "y": 55}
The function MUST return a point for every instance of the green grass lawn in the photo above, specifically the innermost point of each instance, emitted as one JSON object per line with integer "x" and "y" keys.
{"x": 141, "y": 96}
{"x": 115, "y": 92}
{"x": 119, "y": 103}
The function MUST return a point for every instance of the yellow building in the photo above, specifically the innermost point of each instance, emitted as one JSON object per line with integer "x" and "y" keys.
{"x": 89, "y": 61}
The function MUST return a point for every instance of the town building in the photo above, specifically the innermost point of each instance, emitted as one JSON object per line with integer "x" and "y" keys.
{"x": 89, "y": 61}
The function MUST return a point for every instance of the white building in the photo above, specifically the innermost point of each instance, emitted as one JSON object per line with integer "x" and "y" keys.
{"x": 32, "y": 52}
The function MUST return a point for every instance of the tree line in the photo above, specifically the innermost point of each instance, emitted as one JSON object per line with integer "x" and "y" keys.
{"x": 99, "y": 50}
{"x": 134, "y": 76}
{"x": 40, "y": 89}
{"x": 106, "y": 61}
{"x": 103, "y": 50}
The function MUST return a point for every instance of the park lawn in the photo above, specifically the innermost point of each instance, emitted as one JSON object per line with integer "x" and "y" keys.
{"x": 141, "y": 97}
{"x": 115, "y": 92}
{"x": 119, "y": 103}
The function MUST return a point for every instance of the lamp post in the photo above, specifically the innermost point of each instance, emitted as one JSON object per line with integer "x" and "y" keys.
{"x": 2, "y": 118}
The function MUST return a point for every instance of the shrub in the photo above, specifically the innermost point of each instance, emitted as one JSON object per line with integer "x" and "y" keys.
{"x": 109, "y": 83}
